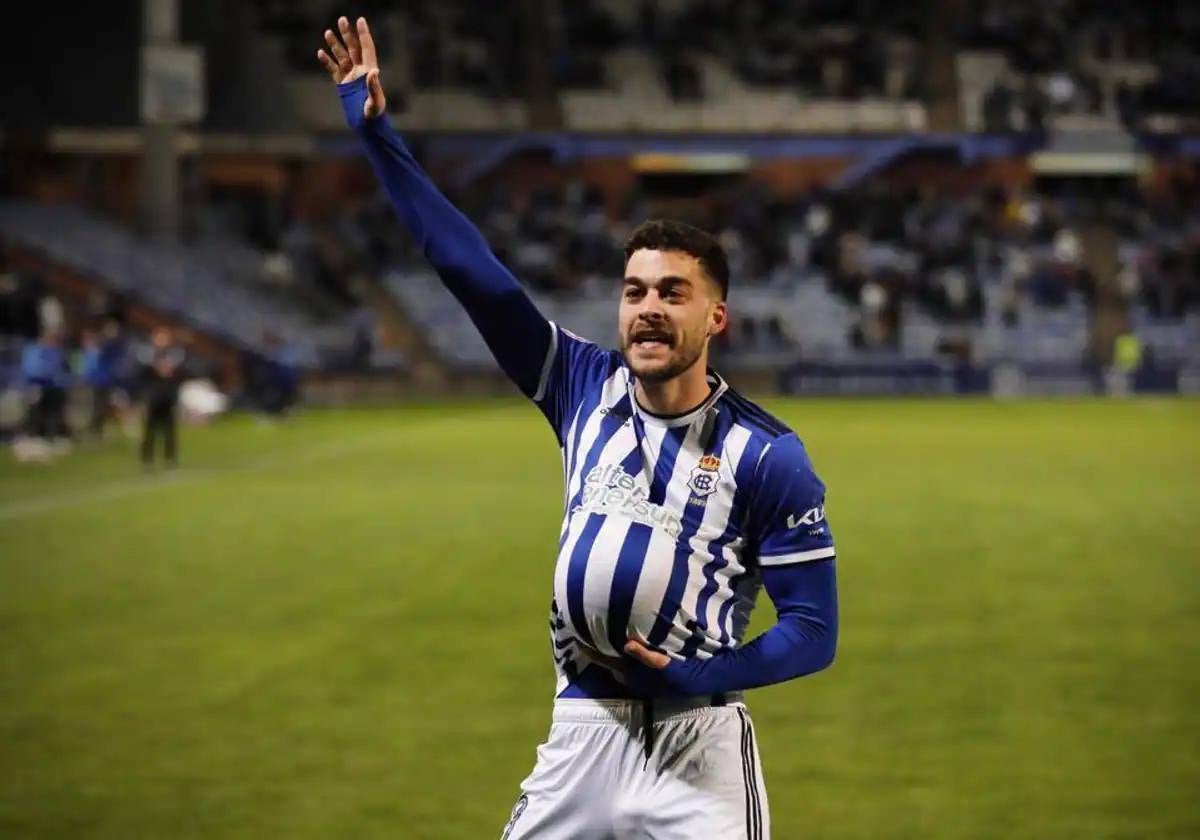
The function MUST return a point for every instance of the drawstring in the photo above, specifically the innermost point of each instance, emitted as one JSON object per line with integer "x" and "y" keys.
{"x": 648, "y": 721}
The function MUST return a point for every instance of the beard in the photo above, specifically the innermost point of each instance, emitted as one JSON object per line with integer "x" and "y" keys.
{"x": 667, "y": 363}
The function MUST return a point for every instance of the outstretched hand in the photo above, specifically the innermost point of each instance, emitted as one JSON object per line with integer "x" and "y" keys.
{"x": 351, "y": 57}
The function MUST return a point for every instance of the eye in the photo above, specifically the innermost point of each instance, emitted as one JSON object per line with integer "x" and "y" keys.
{"x": 632, "y": 292}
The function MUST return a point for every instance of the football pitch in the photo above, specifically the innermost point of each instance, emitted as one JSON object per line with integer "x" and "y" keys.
{"x": 337, "y": 627}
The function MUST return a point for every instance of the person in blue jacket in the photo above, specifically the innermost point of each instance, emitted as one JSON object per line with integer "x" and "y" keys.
{"x": 100, "y": 371}
{"x": 46, "y": 376}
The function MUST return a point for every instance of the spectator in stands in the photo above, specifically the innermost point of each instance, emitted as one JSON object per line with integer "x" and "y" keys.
{"x": 1165, "y": 289}
{"x": 1034, "y": 102}
{"x": 682, "y": 78}
{"x": 1128, "y": 106}
{"x": 364, "y": 328}
{"x": 875, "y": 326}
{"x": 162, "y": 374}
{"x": 997, "y": 108}
{"x": 956, "y": 296}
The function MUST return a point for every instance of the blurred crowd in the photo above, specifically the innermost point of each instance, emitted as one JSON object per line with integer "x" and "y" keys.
{"x": 1122, "y": 58}
{"x": 875, "y": 246}
{"x": 827, "y": 48}
{"x": 831, "y": 49}
{"x": 878, "y": 246}
{"x": 1060, "y": 52}
{"x": 454, "y": 43}
{"x": 882, "y": 252}
{"x": 324, "y": 262}
{"x": 316, "y": 261}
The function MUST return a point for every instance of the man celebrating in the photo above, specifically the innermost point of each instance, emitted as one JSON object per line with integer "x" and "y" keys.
{"x": 683, "y": 500}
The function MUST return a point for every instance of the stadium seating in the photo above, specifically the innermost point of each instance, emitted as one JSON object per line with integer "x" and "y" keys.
{"x": 1079, "y": 66}
{"x": 210, "y": 287}
{"x": 1172, "y": 341}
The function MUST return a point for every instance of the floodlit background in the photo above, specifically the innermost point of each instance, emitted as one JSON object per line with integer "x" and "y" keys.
{"x": 965, "y": 239}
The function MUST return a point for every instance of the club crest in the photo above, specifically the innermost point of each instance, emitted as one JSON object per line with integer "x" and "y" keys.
{"x": 703, "y": 481}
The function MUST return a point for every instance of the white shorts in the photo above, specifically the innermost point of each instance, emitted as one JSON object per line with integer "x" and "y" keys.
{"x": 597, "y": 778}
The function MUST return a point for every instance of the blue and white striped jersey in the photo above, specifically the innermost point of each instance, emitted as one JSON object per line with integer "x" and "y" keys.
{"x": 671, "y": 525}
{"x": 667, "y": 521}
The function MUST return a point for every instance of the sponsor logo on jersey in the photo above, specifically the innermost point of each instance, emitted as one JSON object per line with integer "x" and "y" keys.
{"x": 810, "y": 517}
{"x": 607, "y": 488}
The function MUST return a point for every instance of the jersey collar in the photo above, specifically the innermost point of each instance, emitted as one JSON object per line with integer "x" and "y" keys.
{"x": 719, "y": 387}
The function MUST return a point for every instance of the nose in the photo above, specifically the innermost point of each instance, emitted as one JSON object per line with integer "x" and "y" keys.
{"x": 651, "y": 307}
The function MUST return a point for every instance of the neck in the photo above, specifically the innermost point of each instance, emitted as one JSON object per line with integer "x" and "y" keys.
{"x": 676, "y": 395}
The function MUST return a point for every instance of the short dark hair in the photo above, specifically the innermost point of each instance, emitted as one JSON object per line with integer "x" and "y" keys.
{"x": 670, "y": 235}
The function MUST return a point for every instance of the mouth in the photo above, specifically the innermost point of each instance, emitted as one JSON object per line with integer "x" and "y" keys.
{"x": 651, "y": 340}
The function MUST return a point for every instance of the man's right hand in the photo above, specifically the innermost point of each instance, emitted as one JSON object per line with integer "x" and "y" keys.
{"x": 353, "y": 56}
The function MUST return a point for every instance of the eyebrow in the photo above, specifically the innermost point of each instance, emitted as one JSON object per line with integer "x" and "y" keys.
{"x": 668, "y": 280}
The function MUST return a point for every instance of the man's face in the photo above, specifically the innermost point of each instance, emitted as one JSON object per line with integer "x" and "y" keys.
{"x": 669, "y": 308}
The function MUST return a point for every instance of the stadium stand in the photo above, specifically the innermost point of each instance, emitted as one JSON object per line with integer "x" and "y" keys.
{"x": 1076, "y": 64}
{"x": 836, "y": 258}
{"x": 811, "y": 280}
{"x": 736, "y": 67}
{"x": 692, "y": 66}
{"x": 213, "y": 287}
{"x": 837, "y": 65}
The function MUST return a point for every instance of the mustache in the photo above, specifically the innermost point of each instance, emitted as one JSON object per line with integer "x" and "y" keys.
{"x": 652, "y": 332}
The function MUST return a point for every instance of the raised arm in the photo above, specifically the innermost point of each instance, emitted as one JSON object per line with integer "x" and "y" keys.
{"x": 516, "y": 333}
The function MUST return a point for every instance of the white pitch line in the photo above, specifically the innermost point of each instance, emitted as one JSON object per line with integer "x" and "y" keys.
{"x": 141, "y": 484}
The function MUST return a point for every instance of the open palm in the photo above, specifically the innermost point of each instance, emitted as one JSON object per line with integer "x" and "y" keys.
{"x": 351, "y": 57}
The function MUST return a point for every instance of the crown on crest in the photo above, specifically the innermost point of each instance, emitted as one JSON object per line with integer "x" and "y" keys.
{"x": 710, "y": 462}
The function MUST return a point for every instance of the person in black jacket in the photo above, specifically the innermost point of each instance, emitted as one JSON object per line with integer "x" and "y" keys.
{"x": 162, "y": 374}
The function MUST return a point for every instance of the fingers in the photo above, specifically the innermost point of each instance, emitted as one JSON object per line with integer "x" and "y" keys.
{"x": 339, "y": 52}
{"x": 376, "y": 103}
{"x": 351, "y": 39}
{"x": 330, "y": 65}
{"x": 643, "y": 654}
{"x": 368, "y": 44}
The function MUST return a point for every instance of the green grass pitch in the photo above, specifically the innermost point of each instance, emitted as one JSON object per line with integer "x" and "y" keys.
{"x": 337, "y": 628}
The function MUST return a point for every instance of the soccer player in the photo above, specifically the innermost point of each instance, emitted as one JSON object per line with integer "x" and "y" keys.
{"x": 683, "y": 500}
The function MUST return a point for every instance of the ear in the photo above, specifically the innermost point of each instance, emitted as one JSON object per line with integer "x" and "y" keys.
{"x": 718, "y": 318}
